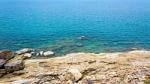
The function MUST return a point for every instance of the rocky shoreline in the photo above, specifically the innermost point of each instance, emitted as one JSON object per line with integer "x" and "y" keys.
{"x": 132, "y": 67}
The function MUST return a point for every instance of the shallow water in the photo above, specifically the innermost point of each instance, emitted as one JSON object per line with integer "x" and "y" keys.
{"x": 109, "y": 25}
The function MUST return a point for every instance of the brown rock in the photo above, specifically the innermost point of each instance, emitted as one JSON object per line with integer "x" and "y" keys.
{"x": 6, "y": 54}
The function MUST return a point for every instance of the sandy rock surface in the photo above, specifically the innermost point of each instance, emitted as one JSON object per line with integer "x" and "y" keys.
{"x": 85, "y": 68}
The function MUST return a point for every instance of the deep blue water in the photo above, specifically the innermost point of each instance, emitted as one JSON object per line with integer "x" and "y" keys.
{"x": 109, "y": 25}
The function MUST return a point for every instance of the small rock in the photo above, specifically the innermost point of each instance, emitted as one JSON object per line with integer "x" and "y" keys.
{"x": 2, "y": 62}
{"x": 14, "y": 65}
{"x": 27, "y": 55}
{"x": 41, "y": 53}
{"x": 6, "y": 54}
{"x": 75, "y": 74}
{"x": 48, "y": 53}
{"x": 82, "y": 38}
{"x": 23, "y": 51}
{"x": 37, "y": 54}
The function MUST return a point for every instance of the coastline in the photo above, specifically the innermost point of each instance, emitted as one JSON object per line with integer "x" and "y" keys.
{"x": 132, "y": 67}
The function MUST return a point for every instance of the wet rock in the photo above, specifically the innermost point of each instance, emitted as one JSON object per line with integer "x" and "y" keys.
{"x": 23, "y": 51}
{"x": 14, "y": 65}
{"x": 41, "y": 53}
{"x": 82, "y": 38}
{"x": 79, "y": 45}
{"x": 6, "y": 54}
{"x": 2, "y": 62}
{"x": 48, "y": 53}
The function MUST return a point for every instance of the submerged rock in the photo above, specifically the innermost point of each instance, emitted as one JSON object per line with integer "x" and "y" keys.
{"x": 23, "y": 51}
{"x": 82, "y": 38}
{"x": 6, "y": 54}
{"x": 79, "y": 45}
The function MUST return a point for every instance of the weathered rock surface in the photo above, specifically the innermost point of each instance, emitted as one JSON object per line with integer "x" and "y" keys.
{"x": 14, "y": 65}
{"x": 2, "y": 62}
{"x": 86, "y": 68}
{"x": 6, "y": 54}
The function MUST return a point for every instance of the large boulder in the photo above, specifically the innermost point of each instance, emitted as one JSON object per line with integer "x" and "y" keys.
{"x": 23, "y": 51}
{"x": 6, "y": 54}
{"x": 2, "y": 62}
{"x": 14, "y": 65}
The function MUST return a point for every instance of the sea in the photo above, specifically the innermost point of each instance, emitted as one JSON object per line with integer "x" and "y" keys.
{"x": 58, "y": 25}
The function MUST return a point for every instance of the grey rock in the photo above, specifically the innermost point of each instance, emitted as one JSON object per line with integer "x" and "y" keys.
{"x": 14, "y": 65}
{"x": 2, "y": 62}
{"x": 41, "y": 53}
{"x": 23, "y": 51}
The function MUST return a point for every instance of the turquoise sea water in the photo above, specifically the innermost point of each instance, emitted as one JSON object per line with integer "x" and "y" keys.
{"x": 109, "y": 25}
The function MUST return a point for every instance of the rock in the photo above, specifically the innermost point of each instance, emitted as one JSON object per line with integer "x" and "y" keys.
{"x": 37, "y": 54}
{"x": 55, "y": 82}
{"x": 79, "y": 45}
{"x": 27, "y": 55}
{"x": 14, "y": 65}
{"x": 6, "y": 54}
{"x": 2, "y": 62}
{"x": 69, "y": 82}
{"x": 41, "y": 53}
{"x": 23, "y": 51}
{"x": 75, "y": 73}
{"x": 26, "y": 81}
{"x": 82, "y": 38}
{"x": 2, "y": 72}
{"x": 48, "y": 53}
